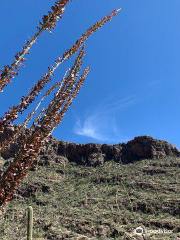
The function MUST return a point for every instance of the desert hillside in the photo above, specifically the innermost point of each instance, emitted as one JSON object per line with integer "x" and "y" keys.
{"x": 93, "y": 191}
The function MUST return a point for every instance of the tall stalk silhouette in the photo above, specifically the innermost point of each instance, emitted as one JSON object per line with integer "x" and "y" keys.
{"x": 33, "y": 142}
{"x": 48, "y": 23}
{"x": 49, "y": 117}
{"x": 13, "y": 112}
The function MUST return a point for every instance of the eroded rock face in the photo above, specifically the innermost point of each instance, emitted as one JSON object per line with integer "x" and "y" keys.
{"x": 143, "y": 147}
{"x": 89, "y": 154}
{"x": 146, "y": 147}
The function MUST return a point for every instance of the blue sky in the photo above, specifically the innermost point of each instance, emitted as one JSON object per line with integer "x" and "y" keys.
{"x": 133, "y": 86}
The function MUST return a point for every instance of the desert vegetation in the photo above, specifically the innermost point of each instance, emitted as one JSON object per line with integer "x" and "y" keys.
{"x": 50, "y": 117}
{"x": 51, "y": 189}
{"x": 73, "y": 201}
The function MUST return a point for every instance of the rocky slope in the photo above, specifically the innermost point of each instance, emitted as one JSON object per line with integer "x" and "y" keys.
{"x": 74, "y": 200}
{"x": 77, "y": 202}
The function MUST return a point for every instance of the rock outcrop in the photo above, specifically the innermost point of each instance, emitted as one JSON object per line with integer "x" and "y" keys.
{"x": 146, "y": 147}
{"x": 143, "y": 147}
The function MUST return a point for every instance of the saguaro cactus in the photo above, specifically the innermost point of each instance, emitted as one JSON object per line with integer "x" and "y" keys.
{"x": 30, "y": 223}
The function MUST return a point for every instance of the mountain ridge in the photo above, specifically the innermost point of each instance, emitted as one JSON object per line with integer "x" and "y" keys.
{"x": 93, "y": 154}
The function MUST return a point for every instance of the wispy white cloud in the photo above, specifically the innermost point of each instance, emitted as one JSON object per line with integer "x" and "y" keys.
{"x": 100, "y": 124}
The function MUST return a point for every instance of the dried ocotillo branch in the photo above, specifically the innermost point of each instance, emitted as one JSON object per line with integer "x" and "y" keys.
{"x": 48, "y": 23}
{"x": 34, "y": 143}
{"x": 49, "y": 91}
{"x": 62, "y": 89}
{"x": 77, "y": 88}
{"x": 60, "y": 108}
{"x": 66, "y": 86}
{"x": 60, "y": 104}
{"x": 12, "y": 114}
{"x": 39, "y": 116}
{"x": 65, "y": 80}
{"x": 66, "y": 83}
{"x": 86, "y": 35}
{"x": 58, "y": 116}
{"x": 11, "y": 140}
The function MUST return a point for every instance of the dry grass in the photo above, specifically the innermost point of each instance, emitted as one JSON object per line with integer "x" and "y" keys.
{"x": 106, "y": 202}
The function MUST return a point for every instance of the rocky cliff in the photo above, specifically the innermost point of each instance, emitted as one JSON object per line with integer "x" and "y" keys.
{"x": 142, "y": 147}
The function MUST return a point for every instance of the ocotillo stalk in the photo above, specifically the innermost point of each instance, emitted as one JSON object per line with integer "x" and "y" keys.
{"x": 48, "y": 23}
{"x": 30, "y": 223}
{"x": 13, "y": 112}
{"x": 32, "y": 143}
{"x": 6, "y": 144}
{"x": 27, "y": 120}
{"x": 52, "y": 116}
{"x": 11, "y": 140}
